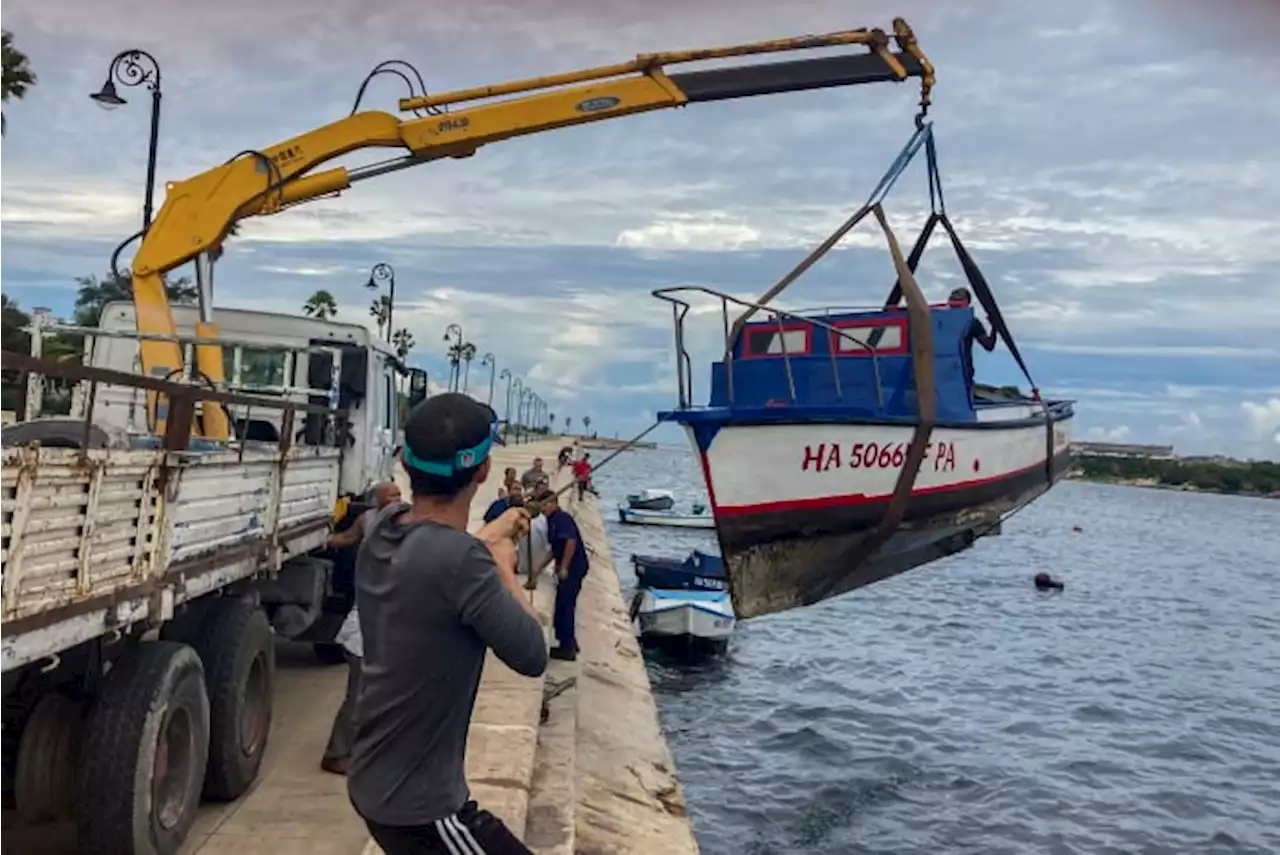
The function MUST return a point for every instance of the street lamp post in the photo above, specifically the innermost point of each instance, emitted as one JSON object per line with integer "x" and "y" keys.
{"x": 526, "y": 396}
{"x": 383, "y": 272}
{"x": 506, "y": 375}
{"x": 455, "y": 358}
{"x": 519, "y": 398}
{"x": 493, "y": 368}
{"x": 135, "y": 68}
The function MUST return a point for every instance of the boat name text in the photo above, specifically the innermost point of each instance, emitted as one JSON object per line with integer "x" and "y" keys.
{"x": 870, "y": 455}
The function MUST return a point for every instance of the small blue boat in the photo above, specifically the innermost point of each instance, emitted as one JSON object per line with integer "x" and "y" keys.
{"x": 699, "y": 571}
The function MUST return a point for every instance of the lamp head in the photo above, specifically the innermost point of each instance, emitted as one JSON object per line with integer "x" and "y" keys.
{"x": 107, "y": 97}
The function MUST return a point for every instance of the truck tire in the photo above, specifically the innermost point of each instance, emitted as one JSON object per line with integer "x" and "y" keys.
{"x": 237, "y": 649}
{"x": 143, "y": 758}
{"x": 60, "y": 432}
{"x": 45, "y": 778}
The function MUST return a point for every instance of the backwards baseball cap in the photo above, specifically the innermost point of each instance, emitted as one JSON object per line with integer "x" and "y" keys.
{"x": 449, "y": 433}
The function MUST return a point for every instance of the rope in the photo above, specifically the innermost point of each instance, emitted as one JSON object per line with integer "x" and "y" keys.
{"x": 626, "y": 446}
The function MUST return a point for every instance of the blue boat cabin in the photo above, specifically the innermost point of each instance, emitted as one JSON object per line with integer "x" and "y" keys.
{"x": 841, "y": 372}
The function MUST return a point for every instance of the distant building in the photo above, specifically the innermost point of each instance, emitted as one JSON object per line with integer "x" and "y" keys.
{"x": 1122, "y": 449}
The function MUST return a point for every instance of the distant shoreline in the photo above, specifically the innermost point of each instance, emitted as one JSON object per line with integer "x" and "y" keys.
{"x": 1152, "y": 484}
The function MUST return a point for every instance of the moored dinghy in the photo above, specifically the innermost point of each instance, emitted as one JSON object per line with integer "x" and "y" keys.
{"x": 843, "y": 447}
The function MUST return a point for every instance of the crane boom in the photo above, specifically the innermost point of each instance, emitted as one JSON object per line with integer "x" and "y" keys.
{"x": 198, "y": 212}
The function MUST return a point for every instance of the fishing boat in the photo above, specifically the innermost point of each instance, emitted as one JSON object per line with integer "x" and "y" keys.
{"x": 696, "y": 518}
{"x": 686, "y": 615}
{"x": 652, "y": 500}
{"x": 699, "y": 571}
{"x": 841, "y": 447}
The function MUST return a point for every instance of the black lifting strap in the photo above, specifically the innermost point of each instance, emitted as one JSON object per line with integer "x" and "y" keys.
{"x": 913, "y": 260}
{"x": 977, "y": 281}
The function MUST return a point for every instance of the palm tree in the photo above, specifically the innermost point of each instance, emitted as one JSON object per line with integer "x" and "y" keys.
{"x": 94, "y": 293}
{"x": 551, "y": 421}
{"x": 568, "y": 424}
{"x": 468, "y": 354}
{"x": 379, "y": 309}
{"x": 586, "y": 425}
{"x": 17, "y": 72}
{"x": 403, "y": 341}
{"x": 320, "y": 306}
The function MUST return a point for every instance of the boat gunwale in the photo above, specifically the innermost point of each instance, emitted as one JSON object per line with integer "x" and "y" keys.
{"x": 826, "y": 414}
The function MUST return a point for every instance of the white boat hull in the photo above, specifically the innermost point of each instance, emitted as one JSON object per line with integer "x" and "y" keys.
{"x": 632, "y": 516}
{"x": 797, "y": 466}
{"x": 797, "y": 505}
{"x": 674, "y": 617}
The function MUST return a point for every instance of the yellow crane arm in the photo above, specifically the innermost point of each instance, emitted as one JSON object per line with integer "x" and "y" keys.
{"x": 198, "y": 212}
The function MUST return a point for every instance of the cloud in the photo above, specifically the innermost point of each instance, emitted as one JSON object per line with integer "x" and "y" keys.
{"x": 1132, "y": 245}
{"x": 1119, "y": 433}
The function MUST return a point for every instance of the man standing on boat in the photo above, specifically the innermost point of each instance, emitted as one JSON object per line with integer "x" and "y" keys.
{"x": 961, "y": 299}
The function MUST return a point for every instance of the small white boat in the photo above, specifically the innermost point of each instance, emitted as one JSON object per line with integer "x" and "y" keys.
{"x": 697, "y": 518}
{"x": 652, "y": 500}
{"x": 702, "y": 615}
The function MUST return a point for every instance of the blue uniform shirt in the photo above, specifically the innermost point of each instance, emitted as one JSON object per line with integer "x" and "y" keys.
{"x": 562, "y": 528}
{"x": 497, "y": 509}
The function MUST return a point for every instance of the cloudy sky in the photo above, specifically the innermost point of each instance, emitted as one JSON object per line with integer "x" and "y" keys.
{"x": 1113, "y": 165}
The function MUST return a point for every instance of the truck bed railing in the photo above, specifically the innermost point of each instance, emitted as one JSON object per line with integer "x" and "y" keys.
{"x": 684, "y": 367}
{"x": 292, "y": 357}
{"x": 182, "y": 400}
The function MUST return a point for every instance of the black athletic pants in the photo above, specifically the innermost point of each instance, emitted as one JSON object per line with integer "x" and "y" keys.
{"x": 470, "y": 831}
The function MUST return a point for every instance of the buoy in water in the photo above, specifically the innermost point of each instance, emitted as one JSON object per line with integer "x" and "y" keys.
{"x": 1045, "y": 582}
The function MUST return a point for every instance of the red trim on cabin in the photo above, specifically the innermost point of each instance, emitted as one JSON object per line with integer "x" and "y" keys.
{"x": 858, "y": 498}
{"x": 706, "y": 475}
{"x": 902, "y": 348}
{"x": 794, "y": 326}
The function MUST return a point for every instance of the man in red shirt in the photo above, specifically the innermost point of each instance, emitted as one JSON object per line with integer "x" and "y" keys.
{"x": 582, "y": 475}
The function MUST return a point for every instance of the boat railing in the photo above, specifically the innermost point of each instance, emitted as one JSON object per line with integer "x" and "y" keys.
{"x": 684, "y": 366}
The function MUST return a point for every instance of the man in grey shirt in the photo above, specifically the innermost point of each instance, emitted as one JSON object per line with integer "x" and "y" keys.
{"x": 431, "y": 599}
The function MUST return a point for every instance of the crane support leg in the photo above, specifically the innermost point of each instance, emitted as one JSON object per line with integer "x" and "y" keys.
{"x": 213, "y": 418}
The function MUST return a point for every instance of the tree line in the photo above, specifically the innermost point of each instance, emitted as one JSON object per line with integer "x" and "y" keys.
{"x": 1256, "y": 478}
{"x": 322, "y": 306}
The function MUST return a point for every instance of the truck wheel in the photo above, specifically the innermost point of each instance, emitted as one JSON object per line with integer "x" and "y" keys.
{"x": 143, "y": 758}
{"x": 45, "y": 780}
{"x": 330, "y": 653}
{"x": 237, "y": 649}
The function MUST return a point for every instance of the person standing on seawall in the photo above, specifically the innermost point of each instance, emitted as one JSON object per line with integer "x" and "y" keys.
{"x": 338, "y": 751}
{"x": 432, "y": 599}
{"x": 582, "y": 475}
{"x": 570, "y": 555}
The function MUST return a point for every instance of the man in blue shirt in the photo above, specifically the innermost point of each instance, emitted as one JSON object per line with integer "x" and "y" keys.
{"x": 570, "y": 556}
{"x": 500, "y": 505}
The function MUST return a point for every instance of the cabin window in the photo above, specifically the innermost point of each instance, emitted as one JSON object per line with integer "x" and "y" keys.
{"x": 793, "y": 340}
{"x": 259, "y": 367}
{"x": 883, "y": 338}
